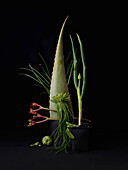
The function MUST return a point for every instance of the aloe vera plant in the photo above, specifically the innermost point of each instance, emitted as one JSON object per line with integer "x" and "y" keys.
{"x": 58, "y": 81}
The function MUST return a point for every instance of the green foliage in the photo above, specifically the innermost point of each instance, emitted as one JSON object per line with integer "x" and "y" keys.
{"x": 71, "y": 125}
{"x": 74, "y": 62}
{"x": 84, "y": 66}
{"x": 75, "y": 65}
{"x": 69, "y": 68}
{"x": 65, "y": 114}
{"x": 57, "y": 87}
{"x": 77, "y": 78}
{"x": 69, "y": 133}
{"x": 58, "y": 83}
{"x": 47, "y": 73}
{"x": 61, "y": 97}
{"x": 43, "y": 78}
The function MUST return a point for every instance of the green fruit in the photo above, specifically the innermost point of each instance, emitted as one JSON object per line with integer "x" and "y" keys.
{"x": 47, "y": 140}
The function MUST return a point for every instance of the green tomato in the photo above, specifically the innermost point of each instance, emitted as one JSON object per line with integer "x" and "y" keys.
{"x": 46, "y": 140}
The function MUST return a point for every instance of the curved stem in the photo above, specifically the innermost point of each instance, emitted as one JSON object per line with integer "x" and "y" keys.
{"x": 75, "y": 63}
{"x": 84, "y": 66}
{"x": 41, "y": 121}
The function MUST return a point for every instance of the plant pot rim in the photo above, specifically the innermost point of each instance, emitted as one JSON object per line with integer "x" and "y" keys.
{"x": 81, "y": 127}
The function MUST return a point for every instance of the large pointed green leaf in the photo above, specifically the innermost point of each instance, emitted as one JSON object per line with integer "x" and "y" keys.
{"x": 58, "y": 82}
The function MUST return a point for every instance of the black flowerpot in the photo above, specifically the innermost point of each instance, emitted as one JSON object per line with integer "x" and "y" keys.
{"x": 53, "y": 124}
{"x": 82, "y": 140}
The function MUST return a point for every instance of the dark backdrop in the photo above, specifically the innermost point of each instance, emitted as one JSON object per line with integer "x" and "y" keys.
{"x": 25, "y": 31}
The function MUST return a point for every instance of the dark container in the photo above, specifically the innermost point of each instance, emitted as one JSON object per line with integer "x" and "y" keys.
{"x": 53, "y": 124}
{"x": 83, "y": 136}
{"x": 82, "y": 140}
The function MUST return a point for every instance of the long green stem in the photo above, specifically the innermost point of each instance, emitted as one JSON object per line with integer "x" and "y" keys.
{"x": 79, "y": 100}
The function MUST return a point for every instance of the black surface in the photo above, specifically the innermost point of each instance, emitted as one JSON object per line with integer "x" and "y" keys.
{"x": 110, "y": 152}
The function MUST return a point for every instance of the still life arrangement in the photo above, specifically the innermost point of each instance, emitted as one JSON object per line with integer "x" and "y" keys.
{"x": 66, "y": 134}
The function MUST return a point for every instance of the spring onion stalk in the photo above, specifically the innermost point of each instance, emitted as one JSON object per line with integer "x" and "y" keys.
{"x": 77, "y": 78}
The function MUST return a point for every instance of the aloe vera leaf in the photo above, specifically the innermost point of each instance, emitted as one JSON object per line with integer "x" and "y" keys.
{"x": 58, "y": 81}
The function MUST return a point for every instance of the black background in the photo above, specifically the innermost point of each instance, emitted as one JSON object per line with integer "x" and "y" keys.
{"x": 27, "y": 30}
